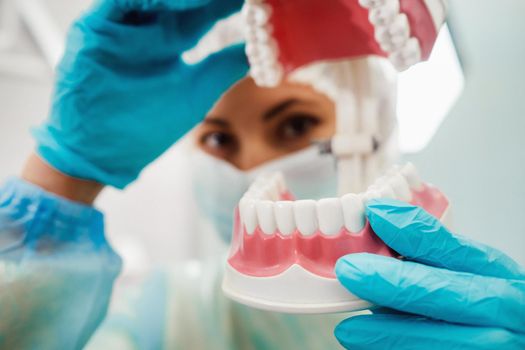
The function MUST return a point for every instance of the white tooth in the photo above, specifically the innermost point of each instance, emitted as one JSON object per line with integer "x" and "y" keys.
{"x": 252, "y": 51}
{"x": 386, "y": 191}
{"x": 412, "y": 47}
{"x": 267, "y": 186}
{"x": 394, "y": 169}
{"x": 371, "y": 3}
{"x": 284, "y": 215}
{"x": 248, "y": 214}
{"x": 271, "y": 192}
{"x": 378, "y": 183}
{"x": 394, "y": 36}
{"x": 266, "y": 75}
{"x": 353, "y": 212}
{"x": 400, "y": 186}
{"x": 400, "y": 26}
{"x": 408, "y": 55}
{"x": 257, "y": 73}
{"x": 262, "y": 34}
{"x": 411, "y": 174}
{"x": 385, "y": 14}
{"x": 257, "y": 14}
{"x": 259, "y": 55}
{"x": 305, "y": 216}
{"x": 370, "y": 194}
{"x": 393, "y": 43}
{"x": 262, "y": 53}
{"x": 265, "y": 216}
{"x": 330, "y": 216}
{"x": 270, "y": 67}
{"x": 281, "y": 184}
{"x": 399, "y": 63}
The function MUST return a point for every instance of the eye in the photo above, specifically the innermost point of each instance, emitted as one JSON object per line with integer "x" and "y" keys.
{"x": 297, "y": 126}
{"x": 218, "y": 143}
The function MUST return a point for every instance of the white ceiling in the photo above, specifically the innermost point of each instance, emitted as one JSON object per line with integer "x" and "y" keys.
{"x": 32, "y": 34}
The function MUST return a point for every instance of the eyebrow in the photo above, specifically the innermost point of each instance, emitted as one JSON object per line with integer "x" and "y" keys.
{"x": 217, "y": 121}
{"x": 274, "y": 111}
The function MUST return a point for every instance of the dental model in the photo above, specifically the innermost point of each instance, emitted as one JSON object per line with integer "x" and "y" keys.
{"x": 283, "y": 35}
{"x": 283, "y": 251}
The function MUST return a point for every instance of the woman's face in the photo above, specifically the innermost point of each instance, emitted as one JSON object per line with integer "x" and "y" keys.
{"x": 250, "y": 125}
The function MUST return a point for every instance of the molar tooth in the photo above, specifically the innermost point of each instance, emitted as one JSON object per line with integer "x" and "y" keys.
{"x": 386, "y": 191}
{"x": 393, "y": 36}
{"x": 267, "y": 75}
{"x": 257, "y": 14}
{"x": 401, "y": 188}
{"x": 371, "y": 193}
{"x": 262, "y": 34}
{"x": 371, "y": 3}
{"x": 305, "y": 216}
{"x": 262, "y": 53}
{"x": 284, "y": 215}
{"x": 266, "y": 217}
{"x": 400, "y": 26}
{"x": 330, "y": 216}
{"x": 248, "y": 213}
{"x": 353, "y": 212}
{"x": 411, "y": 175}
{"x": 385, "y": 14}
{"x": 406, "y": 56}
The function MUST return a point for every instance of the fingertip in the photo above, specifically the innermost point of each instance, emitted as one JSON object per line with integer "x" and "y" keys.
{"x": 349, "y": 267}
{"x": 383, "y": 207}
{"x": 344, "y": 267}
{"x": 343, "y": 333}
{"x": 357, "y": 272}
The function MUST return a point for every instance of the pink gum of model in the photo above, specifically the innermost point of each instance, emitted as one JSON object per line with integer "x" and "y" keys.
{"x": 263, "y": 255}
{"x": 310, "y": 30}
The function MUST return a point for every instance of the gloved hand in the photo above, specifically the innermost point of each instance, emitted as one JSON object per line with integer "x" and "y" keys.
{"x": 448, "y": 293}
{"x": 123, "y": 95}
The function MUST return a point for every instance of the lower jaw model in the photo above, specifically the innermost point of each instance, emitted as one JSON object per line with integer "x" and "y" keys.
{"x": 283, "y": 251}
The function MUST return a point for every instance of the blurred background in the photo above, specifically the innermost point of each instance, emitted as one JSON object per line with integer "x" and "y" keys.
{"x": 477, "y": 156}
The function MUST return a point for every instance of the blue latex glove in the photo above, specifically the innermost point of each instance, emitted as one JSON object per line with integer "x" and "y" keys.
{"x": 123, "y": 95}
{"x": 449, "y": 293}
{"x": 56, "y": 270}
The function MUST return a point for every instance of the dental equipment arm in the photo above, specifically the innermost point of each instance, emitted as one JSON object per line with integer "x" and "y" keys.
{"x": 448, "y": 292}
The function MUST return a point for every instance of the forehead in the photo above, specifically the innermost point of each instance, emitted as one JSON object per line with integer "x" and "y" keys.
{"x": 246, "y": 97}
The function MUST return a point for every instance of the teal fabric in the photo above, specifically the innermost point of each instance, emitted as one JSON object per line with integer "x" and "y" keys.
{"x": 447, "y": 293}
{"x": 124, "y": 95}
{"x": 56, "y": 270}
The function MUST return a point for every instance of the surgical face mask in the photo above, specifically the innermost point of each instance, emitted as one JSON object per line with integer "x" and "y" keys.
{"x": 218, "y": 186}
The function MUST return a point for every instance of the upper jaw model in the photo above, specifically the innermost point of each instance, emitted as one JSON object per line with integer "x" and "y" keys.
{"x": 283, "y": 251}
{"x": 283, "y": 35}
